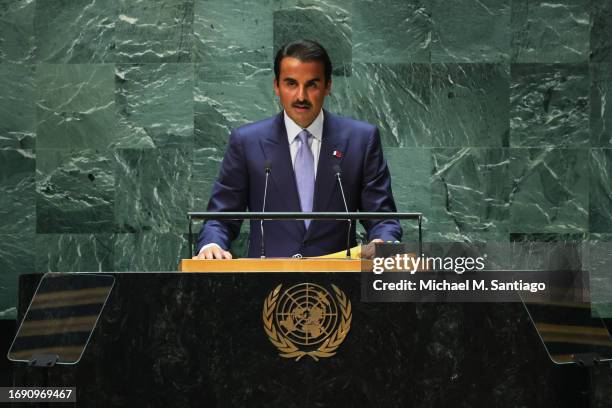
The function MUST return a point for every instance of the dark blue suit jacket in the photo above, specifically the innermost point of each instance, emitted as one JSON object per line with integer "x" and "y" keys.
{"x": 366, "y": 182}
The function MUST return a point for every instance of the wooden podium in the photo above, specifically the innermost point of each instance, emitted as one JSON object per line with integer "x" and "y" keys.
{"x": 285, "y": 265}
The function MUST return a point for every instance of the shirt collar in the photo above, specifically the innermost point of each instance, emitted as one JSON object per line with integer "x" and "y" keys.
{"x": 315, "y": 128}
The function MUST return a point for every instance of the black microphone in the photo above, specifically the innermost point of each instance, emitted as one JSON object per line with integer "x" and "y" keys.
{"x": 267, "y": 169}
{"x": 338, "y": 173}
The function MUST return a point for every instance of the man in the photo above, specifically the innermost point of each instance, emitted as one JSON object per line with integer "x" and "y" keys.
{"x": 302, "y": 145}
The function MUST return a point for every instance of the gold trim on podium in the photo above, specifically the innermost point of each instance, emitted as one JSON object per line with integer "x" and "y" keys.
{"x": 274, "y": 265}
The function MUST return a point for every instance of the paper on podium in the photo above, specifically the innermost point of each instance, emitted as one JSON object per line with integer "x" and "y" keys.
{"x": 355, "y": 254}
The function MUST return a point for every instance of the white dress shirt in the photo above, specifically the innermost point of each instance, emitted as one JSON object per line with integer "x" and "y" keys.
{"x": 293, "y": 129}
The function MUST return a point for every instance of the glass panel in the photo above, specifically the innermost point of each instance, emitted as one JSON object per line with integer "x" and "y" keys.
{"x": 61, "y": 317}
{"x": 569, "y": 329}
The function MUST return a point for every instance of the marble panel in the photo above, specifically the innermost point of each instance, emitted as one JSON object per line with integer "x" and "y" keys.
{"x": 329, "y": 23}
{"x": 149, "y": 251}
{"x": 75, "y": 31}
{"x": 601, "y": 31}
{"x": 600, "y": 192}
{"x": 339, "y": 101}
{"x": 75, "y": 191}
{"x": 548, "y": 237}
{"x": 332, "y": 7}
{"x": 562, "y": 254}
{"x": 17, "y": 192}
{"x": 76, "y": 106}
{"x": 227, "y": 96}
{"x": 601, "y": 105}
{"x": 17, "y": 254}
{"x": 549, "y": 106}
{"x": 152, "y": 189}
{"x": 410, "y": 169}
{"x": 470, "y": 104}
{"x": 17, "y": 106}
{"x": 233, "y": 31}
{"x": 599, "y": 237}
{"x": 74, "y": 86}
{"x": 435, "y": 234}
{"x": 154, "y": 31}
{"x": 470, "y": 30}
{"x": 398, "y": 32}
{"x": 544, "y": 31}
{"x": 599, "y": 247}
{"x": 17, "y": 31}
{"x": 74, "y": 252}
{"x": 396, "y": 98}
{"x": 469, "y": 193}
{"x": 156, "y": 103}
{"x": 549, "y": 190}
{"x": 206, "y": 164}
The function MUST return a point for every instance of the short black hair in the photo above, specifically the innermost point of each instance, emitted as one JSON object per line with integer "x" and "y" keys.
{"x": 304, "y": 50}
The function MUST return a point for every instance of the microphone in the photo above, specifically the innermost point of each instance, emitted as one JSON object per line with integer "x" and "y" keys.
{"x": 267, "y": 170}
{"x": 338, "y": 173}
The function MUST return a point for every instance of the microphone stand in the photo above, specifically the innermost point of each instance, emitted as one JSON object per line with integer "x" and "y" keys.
{"x": 267, "y": 169}
{"x": 350, "y": 222}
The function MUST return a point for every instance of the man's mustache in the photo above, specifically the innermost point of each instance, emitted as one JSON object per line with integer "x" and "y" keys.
{"x": 302, "y": 104}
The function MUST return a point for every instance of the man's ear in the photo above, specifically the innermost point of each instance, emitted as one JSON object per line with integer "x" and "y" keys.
{"x": 275, "y": 85}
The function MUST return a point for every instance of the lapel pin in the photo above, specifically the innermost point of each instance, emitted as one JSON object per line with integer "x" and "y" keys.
{"x": 337, "y": 153}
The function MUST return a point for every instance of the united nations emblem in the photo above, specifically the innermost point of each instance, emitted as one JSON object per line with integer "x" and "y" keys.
{"x": 306, "y": 315}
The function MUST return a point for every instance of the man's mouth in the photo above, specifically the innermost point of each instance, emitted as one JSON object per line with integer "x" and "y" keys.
{"x": 301, "y": 107}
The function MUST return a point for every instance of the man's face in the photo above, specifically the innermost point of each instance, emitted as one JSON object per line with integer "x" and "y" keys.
{"x": 301, "y": 88}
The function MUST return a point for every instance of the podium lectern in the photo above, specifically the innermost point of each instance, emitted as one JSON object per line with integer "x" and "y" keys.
{"x": 184, "y": 339}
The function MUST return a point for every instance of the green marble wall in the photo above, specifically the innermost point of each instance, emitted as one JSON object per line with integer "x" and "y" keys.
{"x": 114, "y": 115}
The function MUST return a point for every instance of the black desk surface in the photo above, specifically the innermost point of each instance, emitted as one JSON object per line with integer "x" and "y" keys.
{"x": 170, "y": 339}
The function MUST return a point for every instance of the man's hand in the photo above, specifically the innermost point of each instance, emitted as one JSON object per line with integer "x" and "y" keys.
{"x": 213, "y": 252}
{"x": 367, "y": 251}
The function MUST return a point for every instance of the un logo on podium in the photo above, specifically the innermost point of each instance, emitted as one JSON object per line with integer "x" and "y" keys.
{"x": 306, "y": 320}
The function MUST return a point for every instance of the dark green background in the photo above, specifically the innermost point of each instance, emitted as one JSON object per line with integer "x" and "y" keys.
{"x": 114, "y": 115}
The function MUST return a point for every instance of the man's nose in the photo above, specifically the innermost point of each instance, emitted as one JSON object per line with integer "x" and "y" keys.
{"x": 302, "y": 95}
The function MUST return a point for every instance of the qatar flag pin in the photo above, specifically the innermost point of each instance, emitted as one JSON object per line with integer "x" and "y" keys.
{"x": 337, "y": 153}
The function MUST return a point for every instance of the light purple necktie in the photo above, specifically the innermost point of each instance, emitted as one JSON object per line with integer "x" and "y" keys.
{"x": 304, "y": 173}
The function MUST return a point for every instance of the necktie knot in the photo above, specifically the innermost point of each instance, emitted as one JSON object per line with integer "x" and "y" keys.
{"x": 303, "y": 136}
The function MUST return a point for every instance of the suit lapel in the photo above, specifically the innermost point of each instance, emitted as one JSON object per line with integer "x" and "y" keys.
{"x": 326, "y": 181}
{"x": 276, "y": 149}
